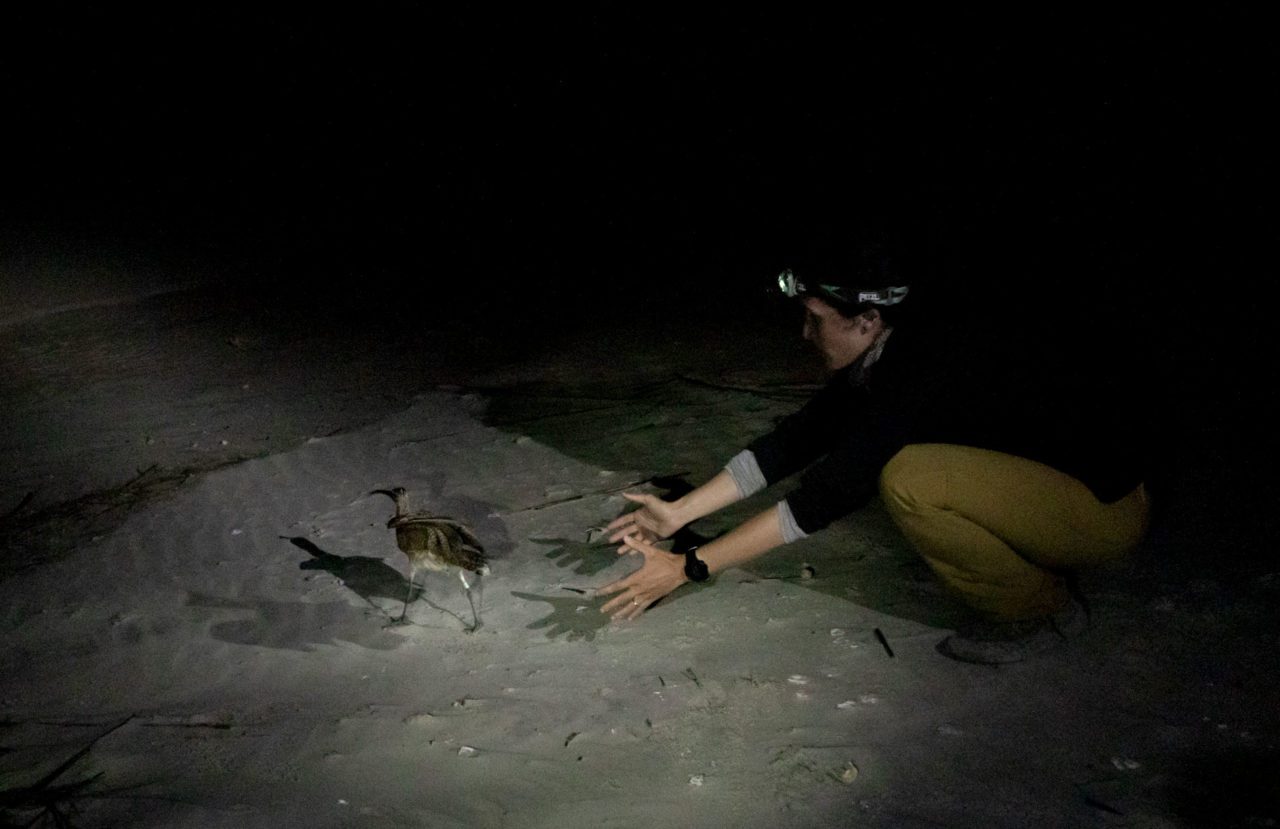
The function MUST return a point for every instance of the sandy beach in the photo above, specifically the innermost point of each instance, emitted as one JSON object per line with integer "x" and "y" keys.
{"x": 198, "y": 587}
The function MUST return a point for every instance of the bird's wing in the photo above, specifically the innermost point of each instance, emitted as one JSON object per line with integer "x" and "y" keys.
{"x": 470, "y": 558}
{"x": 463, "y": 530}
{"x": 468, "y": 536}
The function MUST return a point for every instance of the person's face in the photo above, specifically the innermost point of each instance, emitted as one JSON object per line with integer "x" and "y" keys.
{"x": 839, "y": 340}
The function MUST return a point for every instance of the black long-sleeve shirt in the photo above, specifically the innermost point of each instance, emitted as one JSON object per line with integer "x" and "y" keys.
{"x": 1074, "y": 416}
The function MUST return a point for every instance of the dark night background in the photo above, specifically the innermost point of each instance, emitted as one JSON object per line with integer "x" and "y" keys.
{"x": 1092, "y": 191}
{"x": 1087, "y": 174}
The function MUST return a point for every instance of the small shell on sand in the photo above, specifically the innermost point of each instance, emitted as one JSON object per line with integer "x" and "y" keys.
{"x": 849, "y": 774}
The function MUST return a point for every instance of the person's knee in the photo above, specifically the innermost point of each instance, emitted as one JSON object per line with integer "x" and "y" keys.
{"x": 912, "y": 479}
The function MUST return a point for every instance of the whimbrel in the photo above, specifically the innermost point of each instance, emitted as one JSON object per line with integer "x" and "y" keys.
{"x": 435, "y": 542}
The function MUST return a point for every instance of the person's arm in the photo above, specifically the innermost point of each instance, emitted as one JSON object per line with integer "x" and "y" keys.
{"x": 713, "y": 496}
{"x": 663, "y": 572}
{"x": 808, "y": 433}
{"x": 749, "y": 540}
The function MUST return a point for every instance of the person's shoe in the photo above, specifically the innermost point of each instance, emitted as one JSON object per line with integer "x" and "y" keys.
{"x": 999, "y": 643}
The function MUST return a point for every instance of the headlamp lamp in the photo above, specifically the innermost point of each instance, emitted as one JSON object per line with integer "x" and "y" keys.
{"x": 789, "y": 285}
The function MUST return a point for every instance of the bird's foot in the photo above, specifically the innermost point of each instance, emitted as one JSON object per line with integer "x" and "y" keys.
{"x": 396, "y": 623}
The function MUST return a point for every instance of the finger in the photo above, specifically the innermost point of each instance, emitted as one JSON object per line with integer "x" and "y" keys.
{"x": 631, "y": 610}
{"x": 638, "y": 497}
{"x": 612, "y": 587}
{"x": 621, "y": 521}
{"x": 618, "y": 604}
{"x": 620, "y": 612}
{"x": 638, "y": 544}
{"x": 640, "y": 530}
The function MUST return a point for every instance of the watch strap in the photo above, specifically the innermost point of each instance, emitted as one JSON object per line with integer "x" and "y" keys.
{"x": 695, "y": 568}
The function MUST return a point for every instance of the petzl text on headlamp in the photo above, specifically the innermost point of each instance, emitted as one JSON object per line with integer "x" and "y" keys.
{"x": 892, "y": 295}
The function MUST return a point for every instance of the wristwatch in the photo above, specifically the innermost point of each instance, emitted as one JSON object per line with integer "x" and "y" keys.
{"x": 695, "y": 568}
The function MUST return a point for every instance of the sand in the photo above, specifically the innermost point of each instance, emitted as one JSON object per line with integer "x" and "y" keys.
{"x": 195, "y": 573}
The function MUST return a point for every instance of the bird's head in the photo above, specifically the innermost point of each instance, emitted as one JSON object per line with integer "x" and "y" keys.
{"x": 398, "y": 494}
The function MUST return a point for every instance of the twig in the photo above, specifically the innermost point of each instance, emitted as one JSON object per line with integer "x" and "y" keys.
{"x": 516, "y": 421}
{"x": 142, "y": 473}
{"x": 432, "y": 439}
{"x": 26, "y": 499}
{"x": 56, "y": 773}
{"x": 1098, "y": 804}
{"x": 883, "y": 641}
{"x": 788, "y": 393}
{"x": 611, "y": 491}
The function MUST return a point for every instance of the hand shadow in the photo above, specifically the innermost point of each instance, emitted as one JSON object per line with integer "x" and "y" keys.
{"x": 672, "y": 488}
{"x": 585, "y": 558}
{"x": 572, "y": 617}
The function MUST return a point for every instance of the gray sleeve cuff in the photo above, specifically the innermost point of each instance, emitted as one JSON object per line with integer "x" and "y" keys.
{"x": 790, "y": 529}
{"x": 746, "y": 473}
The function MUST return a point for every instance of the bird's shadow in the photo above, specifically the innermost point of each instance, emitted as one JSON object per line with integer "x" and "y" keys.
{"x": 369, "y": 578}
{"x": 573, "y": 617}
{"x": 372, "y": 578}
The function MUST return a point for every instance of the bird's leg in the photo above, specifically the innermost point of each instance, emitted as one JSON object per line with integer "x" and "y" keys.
{"x": 475, "y": 615}
{"x": 413, "y": 573}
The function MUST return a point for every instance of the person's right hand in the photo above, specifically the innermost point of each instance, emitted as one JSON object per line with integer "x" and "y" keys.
{"x": 656, "y": 519}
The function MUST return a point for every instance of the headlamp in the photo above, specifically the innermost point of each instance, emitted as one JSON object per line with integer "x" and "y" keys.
{"x": 789, "y": 285}
{"x": 892, "y": 295}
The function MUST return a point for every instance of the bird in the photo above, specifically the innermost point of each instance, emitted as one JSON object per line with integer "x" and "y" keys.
{"x": 435, "y": 542}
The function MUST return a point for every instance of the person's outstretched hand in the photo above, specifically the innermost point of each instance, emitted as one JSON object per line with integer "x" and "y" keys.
{"x": 655, "y": 520}
{"x": 661, "y": 573}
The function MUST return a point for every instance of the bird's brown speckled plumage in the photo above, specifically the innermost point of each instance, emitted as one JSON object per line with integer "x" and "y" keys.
{"x": 435, "y": 542}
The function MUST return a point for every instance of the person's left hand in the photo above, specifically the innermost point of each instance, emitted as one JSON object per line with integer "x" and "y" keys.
{"x": 654, "y": 520}
{"x": 661, "y": 573}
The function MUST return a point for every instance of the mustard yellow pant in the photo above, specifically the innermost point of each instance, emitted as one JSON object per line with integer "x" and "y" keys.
{"x": 1000, "y": 530}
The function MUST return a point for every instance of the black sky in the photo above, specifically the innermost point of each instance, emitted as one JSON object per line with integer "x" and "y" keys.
{"x": 1103, "y": 182}
{"x": 589, "y": 148}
